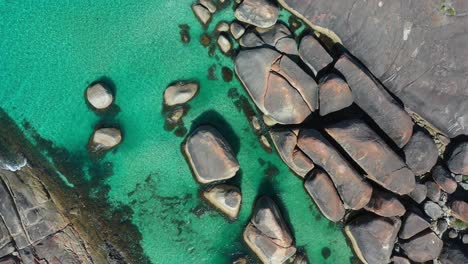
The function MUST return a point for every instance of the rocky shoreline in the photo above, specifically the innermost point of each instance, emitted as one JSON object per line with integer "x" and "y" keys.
{"x": 341, "y": 126}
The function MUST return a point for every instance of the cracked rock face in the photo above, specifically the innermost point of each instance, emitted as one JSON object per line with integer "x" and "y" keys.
{"x": 277, "y": 85}
{"x": 385, "y": 204}
{"x": 260, "y": 13}
{"x": 210, "y": 156}
{"x": 278, "y": 36}
{"x": 373, "y": 237}
{"x": 422, "y": 61}
{"x": 267, "y": 233}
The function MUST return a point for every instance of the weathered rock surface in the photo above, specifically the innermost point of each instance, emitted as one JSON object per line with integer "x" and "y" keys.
{"x": 260, "y": 13}
{"x": 202, "y": 13}
{"x": 400, "y": 260}
{"x": 225, "y": 198}
{"x": 416, "y": 48}
{"x": 373, "y": 237}
{"x": 433, "y": 191}
{"x": 458, "y": 159}
{"x": 180, "y": 93}
{"x": 208, "y": 4}
{"x": 285, "y": 142}
{"x": 314, "y": 54}
{"x": 277, "y": 85}
{"x": 99, "y": 96}
{"x": 323, "y": 193}
{"x": 353, "y": 189}
{"x": 105, "y": 139}
{"x": 224, "y": 44}
{"x": 278, "y": 37}
{"x": 334, "y": 94}
{"x": 453, "y": 254}
{"x": 433, "y": 210}
{"x": 210, "y": 156}
{"x": 376, "y": 102}
{"x": 419, "y": 193}
{"x": 267, "y": 234}
{"x": 412, "y": 225}
{"x": 385, "y": 204}
{"x": 423, "y": 247}
{"x": 373, "y": 155}
{"x": 237, "y": 30}
{"x": 421, "y": 152}
{"x": 443, "y": 178}
{"x": 460, "y": 210}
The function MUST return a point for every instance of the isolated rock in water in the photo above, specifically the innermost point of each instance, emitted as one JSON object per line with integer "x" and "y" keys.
{"x": 99, "y": 96}
{"x": 422, "y": 63}
{"x": 334, "y": 94}
{"x": 267, "y": 234}
{"x": 419, "y": 193}
{"x": 225, "y": 198}
{"x": 224, "y": 44}
{"x": 314, "y": 54}
{"x": 376, "y": 102}
{"x": 353, "y": 189}
{"x": 208, "y": 4}
{"x": 423, "y": 247}
{"x": 460, "y": 210}
{"x": 458, "y": 159}
{"x": 421, "y": 152}
{"x": 443, "y": 178}
{"x": 323, "y": 192}
{"x": 222, "y": 26}
{"x": 373, "y": 155}
{"x": 237, "y": 30}
{"x": 278, "y": 86}
{"x": 385, "y": 204}
{"x": 265, "y": 249}
{"x": 412, "y": 225}
{"x": 433, "y": 210}
{"x": 210, "y": 156}
{"x": 285, "y": 142}
{"x": 433, "y": 191}
{"x": 180, "y": 93}
{"x": 260, "y": 13}
{"x": 373, "y": 237}
{"x": 105, "y": 139}
{"x": 202, "y": 13}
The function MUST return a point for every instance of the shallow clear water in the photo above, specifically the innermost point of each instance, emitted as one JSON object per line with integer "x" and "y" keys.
{"x": 51, "y": 51}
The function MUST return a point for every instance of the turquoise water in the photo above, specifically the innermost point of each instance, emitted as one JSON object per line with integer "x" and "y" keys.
{"x": 50, "y": 51}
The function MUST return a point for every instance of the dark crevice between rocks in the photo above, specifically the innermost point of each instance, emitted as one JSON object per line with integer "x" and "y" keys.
{"x": 98, "y": 218}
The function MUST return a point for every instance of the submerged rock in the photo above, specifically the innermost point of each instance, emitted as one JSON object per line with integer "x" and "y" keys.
{"x": 373, "y": 237}
{"x": 421, "y": 153}
{"x": 202, "y": 13}
{"x": 385, "y": 204}
{"x": 334, "y": 94}
{"x": 412, "y": 225}
{"x": 353, "y": 189}
{"x": 267, "y": 233}
{"x": 210, "y": 156}
{"x": 277, "y": 85}
{"x": 180, "y": 93}
{"x": 323, "y": 193}
{"x": 99, "y": 96}
{"x": 458, "y": 159}
{"x": 225, "y": 198}
{"x": 423, "y": 247}
{"x": 373, "y": 155}
{"x": 400, "y": 260}
{"x": 433, "y": 191}
{"x": 260, "y": 13}
{"x": 105, "y": 139}
{"x": 285, "y": 142}
{"x": 376, "y": 101}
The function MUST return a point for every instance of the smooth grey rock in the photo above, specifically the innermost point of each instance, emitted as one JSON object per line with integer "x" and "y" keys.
{"x": 400, "y": 260}
{"x": 105, "y": 139}
{"x": 458, "y": 159}
{"x": 419, "y": 193}
{"x": 334, "y": 94}
{"x": 278, "y": 36}
{"x": 423, "y": 247}
{"x": 314, "y": 54}
{"x": 210, "y": 156}
{"x": 373, "y": 237}
{"x": 443, "y": 179}
{"x": 421, "y": 152}
{"x": 237, "y": 30}
{"x": 99, "y": 96}
{"x": 374, "y": 156}
{"x": 202, "y": 13}
{"x": 260, "y": 13}
{"x": 433, "y": 210}
{"x": 180, "y": 92}
{"x": 412, "y": 225}
{"x": 225, "y": 198}
{"x": 433, "y": 191}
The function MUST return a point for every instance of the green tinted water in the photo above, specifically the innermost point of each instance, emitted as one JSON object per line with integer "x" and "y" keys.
{"x": 51, "y": 50}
